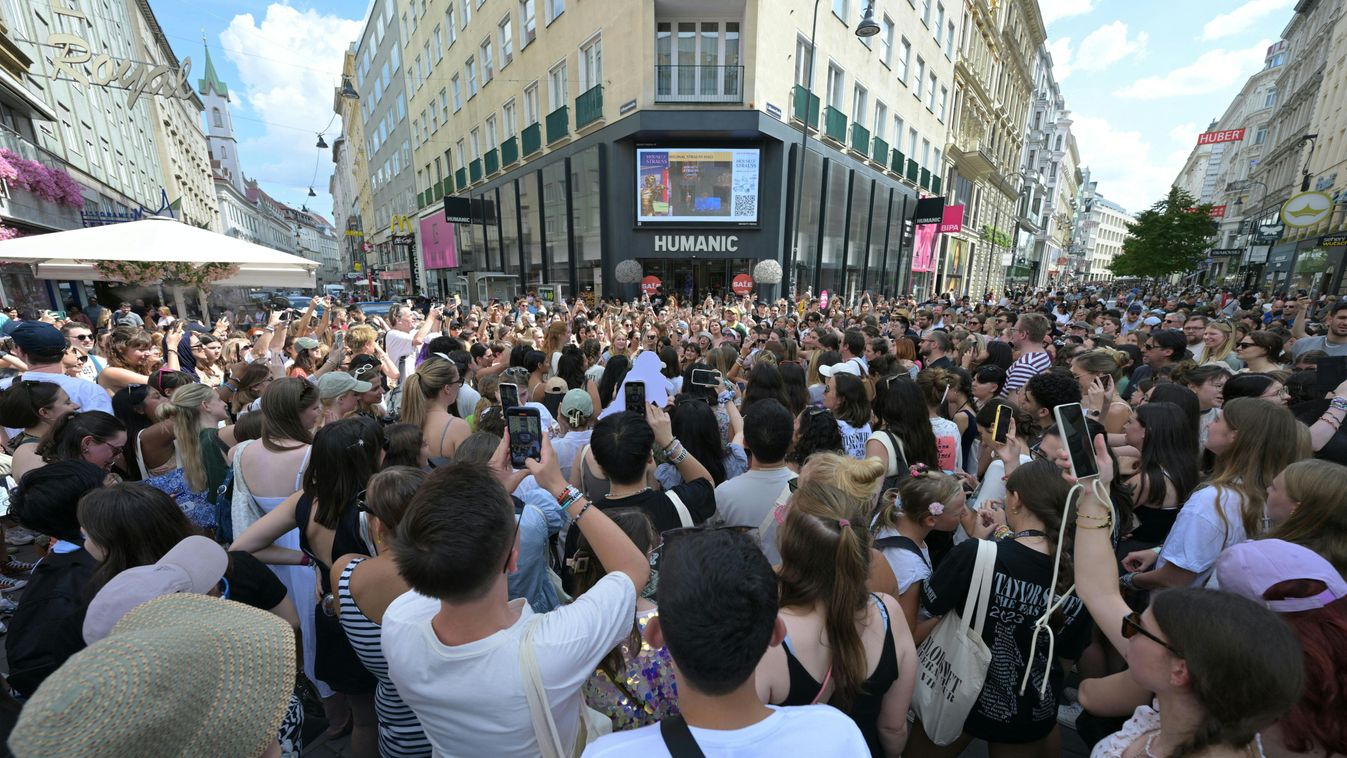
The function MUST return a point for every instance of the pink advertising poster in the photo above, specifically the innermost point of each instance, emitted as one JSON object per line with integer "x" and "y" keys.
{"x": 923, "y": 248}
{"x": 439, "y": 243}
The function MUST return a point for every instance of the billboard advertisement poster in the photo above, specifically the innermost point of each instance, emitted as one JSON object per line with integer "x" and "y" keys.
{"x": 439, "y": 242}
{"x": 697, "y": 185}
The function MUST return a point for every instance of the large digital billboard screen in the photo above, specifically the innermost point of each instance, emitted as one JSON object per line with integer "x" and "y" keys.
{"x": 697, "y": 185}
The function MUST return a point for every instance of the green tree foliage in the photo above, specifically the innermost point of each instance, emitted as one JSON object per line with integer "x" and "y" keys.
{"x": 1170, "y": 237}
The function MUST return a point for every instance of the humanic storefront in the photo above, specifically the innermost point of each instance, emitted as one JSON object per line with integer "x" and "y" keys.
{"x": 697, "y": 197}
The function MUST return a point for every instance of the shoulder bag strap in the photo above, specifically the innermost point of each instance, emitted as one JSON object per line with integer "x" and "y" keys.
{"x": 684, "y": 517}
{"x": 983, "y": 571}
{"x": 540, "y": 709}
{"x": 678, "y": 738}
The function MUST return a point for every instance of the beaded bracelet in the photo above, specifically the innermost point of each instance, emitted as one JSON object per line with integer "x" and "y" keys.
{"x": 1338, "y": 403}
{"x": 582, "y": 511}
{"x": 1002, "y": 532}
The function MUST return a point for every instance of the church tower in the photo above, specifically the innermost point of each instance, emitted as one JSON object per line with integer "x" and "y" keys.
{"x": 219, "y": 126}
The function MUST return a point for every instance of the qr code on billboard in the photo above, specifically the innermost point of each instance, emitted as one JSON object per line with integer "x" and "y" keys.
{"x": 745, "y": 206}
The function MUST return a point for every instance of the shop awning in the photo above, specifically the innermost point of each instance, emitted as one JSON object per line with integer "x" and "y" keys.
{"x": 70, "y": 255}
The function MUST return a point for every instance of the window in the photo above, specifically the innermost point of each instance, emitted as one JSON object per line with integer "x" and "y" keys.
{"x": 944, "y": 100}
{"x": 886, "y": 41}
{"x": 1260, "y": 136}
{"x": 475, "y": 139}
{"x": 507, "y": 120}
{"x": 591, "y": 64}
{"x": 920, "y": 78}
{"x": 402, "y": 106}
{"x": 859, "y": 102}
{"x": 912, "y": 143}
{"x": 898, "y": 132}
{"x": 490, "y": 132}
{"x": 926, "y": 12}
{"x": 506, "y": 33}
{"x": 937, "y": 168}
{"x": 835, "y": 81}
{"x": 416, "y": 71}
{"x": 904, "y": 59}
{"x": 444, "y": 105}
{"x": 488, "y": 61}
{"x": 556, "y": 86}
{"x": 450, "y": 31}
{"x": 804, "y": 63}
{"x": 881, "y": 120}
{"x": 439, "y": 47}
{"x": 528, "y": 22}
{"x": 462, "y": 154}
{"x": 531, "y": 104}
{"x": 925, "y": 153}
{"x": 555, "y": 8}
{"x": 949, "y": 40}
{"x": 216, "y": 118}
{"x": 457, "y": 88}
{"x": 471, "y": 66}
{"x": 467, "y": 14}
{"x": 425, "y": 51}
{"x": 939, "y": 20}
{"x": 1271, "y": 99}
{"x": 930, "y": 94}
{"x": 840, "y": 9}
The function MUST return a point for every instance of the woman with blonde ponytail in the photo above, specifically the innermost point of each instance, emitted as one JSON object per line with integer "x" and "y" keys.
{"x": 427, "y": 397}
{"x": 843, "y": 647}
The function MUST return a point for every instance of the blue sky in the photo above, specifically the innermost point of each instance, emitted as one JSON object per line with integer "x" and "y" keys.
{"x": 1143, "y": 78}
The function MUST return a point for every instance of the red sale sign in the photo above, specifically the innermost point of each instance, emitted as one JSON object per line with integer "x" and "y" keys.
{"x": 1212, "y": 138}
{"x": 650, "y": 285}
{"x": 742, "y": 284}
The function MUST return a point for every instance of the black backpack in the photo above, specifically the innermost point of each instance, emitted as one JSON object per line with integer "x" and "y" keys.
{"x": 892, "y": 482}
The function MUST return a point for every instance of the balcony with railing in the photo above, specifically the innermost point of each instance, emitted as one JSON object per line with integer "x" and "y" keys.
{"x": 492, "y": 161}
{"x": 447, "y": 187}
{"x": 899, "y": 162}
{"x": 913, "y": 171}
{"x": 475, "y": 170}
{"x": 805, "y": 106}
{"x": 589, "y": 107}
{"x": 531, "y": 139}
{"x": 835, "y": 125}
{"x": 509, "y": 151}
{"x": 558, "y": 124}
{"x": 461, "y": 179}
{"x": 879, "y": 151}
{"x": 860, "y": 139}
{"x": 935, "y": 184}
{"x": 925, "y": 179}
{"x": 699, "y": 84}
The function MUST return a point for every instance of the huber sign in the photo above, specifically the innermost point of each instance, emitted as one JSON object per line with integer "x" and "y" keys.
{"x": 1213, "y": 138}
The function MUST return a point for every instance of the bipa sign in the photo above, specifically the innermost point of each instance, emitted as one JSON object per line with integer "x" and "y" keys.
{"x": 1213, "y": 138}
{"x": 696, "y": 243}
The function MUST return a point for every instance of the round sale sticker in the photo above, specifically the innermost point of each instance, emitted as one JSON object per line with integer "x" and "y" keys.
{"x": 650, "y": 284}
{"x": 823, "y": 300}
{"x": 742, "y": 284}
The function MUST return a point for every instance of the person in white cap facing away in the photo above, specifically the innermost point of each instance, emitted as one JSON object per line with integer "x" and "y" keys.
{"x": 339, "y": 393}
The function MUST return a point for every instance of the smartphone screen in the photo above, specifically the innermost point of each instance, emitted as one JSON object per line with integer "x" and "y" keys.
{"x": 1071, "y": 425}
{"x": 1002, "y": 426}
{"x": 509, "y": 396}
{"x": 526, "y": 435}
{"x": 635, "y": 397}
{"x": 705, "y": 377}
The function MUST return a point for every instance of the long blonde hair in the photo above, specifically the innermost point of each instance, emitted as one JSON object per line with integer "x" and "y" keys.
{"x": 1250, "y": 464}
{"x": 184, "y": 407}
{"x": 1226, "y": 348}
{"x": 430, "y": 378}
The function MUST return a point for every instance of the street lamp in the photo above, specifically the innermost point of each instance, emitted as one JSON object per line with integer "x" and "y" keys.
{"x": 322, "y": 144}
{"x": 867, "y": 28}
{"x": 1305, "y": 172}
{"x": 347, "y": 89}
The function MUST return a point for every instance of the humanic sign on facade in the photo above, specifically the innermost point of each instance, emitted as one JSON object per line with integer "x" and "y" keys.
{"x": 696, "y": 243}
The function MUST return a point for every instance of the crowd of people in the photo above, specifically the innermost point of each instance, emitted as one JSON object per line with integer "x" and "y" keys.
{"x": 750, "y": 527}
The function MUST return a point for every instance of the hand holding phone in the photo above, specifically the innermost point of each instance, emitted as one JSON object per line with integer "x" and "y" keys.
{"x": 509, "y": 396}
{"x": 1075, "y": 433}
{"x": 526, "y": 435}
{"x": 634, "y": 397}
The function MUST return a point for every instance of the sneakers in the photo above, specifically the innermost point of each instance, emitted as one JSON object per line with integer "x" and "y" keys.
{"x": 7, "y": 606}
{"x": 14, "y": 567}
{"x": 8, "y": 584}
{"x": 16, "y": 536}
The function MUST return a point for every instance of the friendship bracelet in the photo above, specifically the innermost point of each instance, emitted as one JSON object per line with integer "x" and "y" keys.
{"x": 1087, "y": 526}
{"x": 588, "y": 503}
{"x": 682, "y": 456}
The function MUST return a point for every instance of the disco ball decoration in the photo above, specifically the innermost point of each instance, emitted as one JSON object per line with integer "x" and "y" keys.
{"x": 767, "y": 272}
{"x": 628, "y": 272}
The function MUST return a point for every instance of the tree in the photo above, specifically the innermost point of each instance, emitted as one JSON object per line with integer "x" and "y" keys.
{"x": 1170, "y": 237}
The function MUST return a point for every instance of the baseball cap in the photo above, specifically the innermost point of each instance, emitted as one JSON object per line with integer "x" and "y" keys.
{"x": 306, "y": 343}
{"x": 193, "y": 565}
{"x": 1134, "y": 308}
{"x": 38, "y": 337}
{"x": 1080, "y": 325}
{"x": 1250, "y": 568}
{"x": 845, "y": 367}
{"x": 555, "y": 386}
{"x": 576, "y": 406}
{"x": 338, "y": 383}
{"x": 1151, "y": 321}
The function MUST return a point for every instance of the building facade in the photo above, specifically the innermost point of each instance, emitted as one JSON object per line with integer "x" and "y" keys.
{"x": 585, "y": 134}
{"x": 1048, "y": 180}
{"x": 994, "y": 82}
{"x": 1105, "y": 229}
{"x": 350, "y": 182}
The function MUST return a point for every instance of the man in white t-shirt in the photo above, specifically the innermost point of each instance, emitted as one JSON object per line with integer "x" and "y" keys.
{"x": 455, "y": 643}
{"x": 748, "y": 499}
{"x": 40, "y": 346}
{"x": 401, "y": 342}
{"x": 716, "y": 585}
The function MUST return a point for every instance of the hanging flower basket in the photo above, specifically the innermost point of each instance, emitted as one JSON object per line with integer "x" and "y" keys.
{"x": 50, "y": 184}
{"x": 199, "y": 276}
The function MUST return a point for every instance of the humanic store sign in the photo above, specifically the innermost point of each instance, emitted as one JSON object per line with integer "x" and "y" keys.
{"x": 75, "y": 54}
{"x": 696, "y": 243}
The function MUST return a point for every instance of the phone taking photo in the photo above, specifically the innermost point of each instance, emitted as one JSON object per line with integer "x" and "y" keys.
{"x": 509, "y": 396}
{"x": 526, "y": 435}
{"x": 706, "y": 377}
{"x": 1002, "y": 423}
{"x": 1075, "y": 433}
{"x": 634, "y": 395}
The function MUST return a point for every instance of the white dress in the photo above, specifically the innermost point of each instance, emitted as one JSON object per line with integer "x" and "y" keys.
{"x": 1145, "y": 719}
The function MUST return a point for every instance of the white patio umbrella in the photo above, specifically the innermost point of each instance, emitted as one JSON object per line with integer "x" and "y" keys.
{"x": 71, "y": 255}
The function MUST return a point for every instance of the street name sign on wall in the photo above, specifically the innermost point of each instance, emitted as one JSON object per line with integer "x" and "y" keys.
{"x": 1214, "y": 138}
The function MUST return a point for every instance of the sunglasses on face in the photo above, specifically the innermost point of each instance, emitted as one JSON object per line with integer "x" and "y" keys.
{"x": 1131, "y": 627}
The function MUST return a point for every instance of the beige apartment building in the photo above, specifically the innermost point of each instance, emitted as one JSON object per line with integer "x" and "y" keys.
{"x": 585, "y": 133}
{"x": 994, "y": 80}
{"x": 350, "y": 185}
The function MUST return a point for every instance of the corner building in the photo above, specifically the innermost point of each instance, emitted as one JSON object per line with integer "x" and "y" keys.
{"x": 587, "y": 133}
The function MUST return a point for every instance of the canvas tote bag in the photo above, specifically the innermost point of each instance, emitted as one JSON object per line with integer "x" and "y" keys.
{"x": 952, "y": 662}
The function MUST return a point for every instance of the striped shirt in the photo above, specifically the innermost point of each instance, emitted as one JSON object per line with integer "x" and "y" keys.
{"x": 1024, "y": 368}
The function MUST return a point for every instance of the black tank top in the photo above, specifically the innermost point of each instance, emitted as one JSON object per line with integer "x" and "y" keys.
{"x": 804, "y": 688}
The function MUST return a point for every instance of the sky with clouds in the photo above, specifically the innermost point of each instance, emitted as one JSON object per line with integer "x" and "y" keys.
{"x": 1142, "y": 77}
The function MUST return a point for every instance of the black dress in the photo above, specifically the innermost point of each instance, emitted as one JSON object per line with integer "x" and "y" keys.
{"x": 335, "y": 661}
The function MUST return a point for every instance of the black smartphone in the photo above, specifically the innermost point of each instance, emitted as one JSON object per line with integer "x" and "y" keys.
{"x": 509, "y": 396}
{"x": 526, "y": 434}
{"x": 1076, "y": 435}
{"x": 706, "y": 377}
{"x": 1002, "y": 424}
{"x": 635, "y": 397}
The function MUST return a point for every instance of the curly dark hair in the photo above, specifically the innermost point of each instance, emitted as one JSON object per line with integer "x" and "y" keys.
{"x": 818, "y": 433}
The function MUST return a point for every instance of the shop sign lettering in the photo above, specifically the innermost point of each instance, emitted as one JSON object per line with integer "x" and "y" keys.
{"x": 696, "y": 243}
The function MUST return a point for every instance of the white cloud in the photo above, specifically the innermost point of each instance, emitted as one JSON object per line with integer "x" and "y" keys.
{"x": 1060, "y": 49}
{"x": 1213, "y": 71}
{"x": 1242, "y": 18}
{"x": 1123, "y": 163}
{"x": 1055, "y": 10}
{"x": 1186, "y": 132}
{"x": 1108, "y": 45}
{"x": 288, "y": 65}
